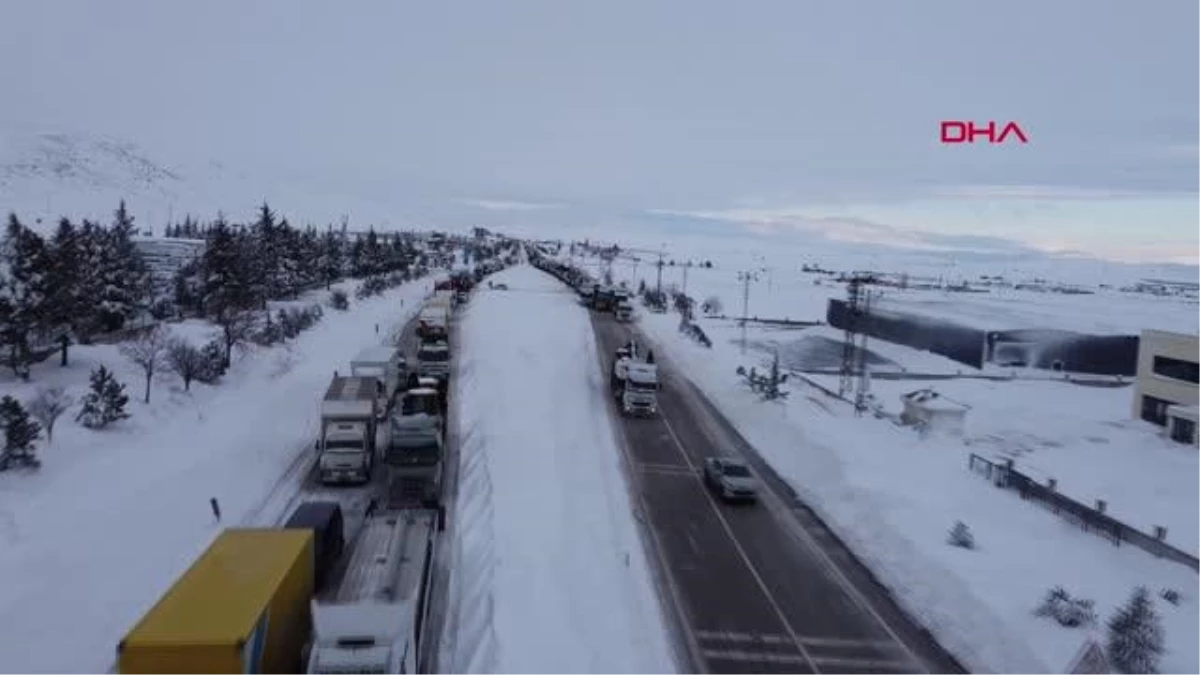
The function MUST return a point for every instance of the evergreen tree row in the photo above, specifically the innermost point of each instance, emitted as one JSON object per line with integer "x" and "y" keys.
{"x": 88, "y": 279}
{"x": 84, "y": 280}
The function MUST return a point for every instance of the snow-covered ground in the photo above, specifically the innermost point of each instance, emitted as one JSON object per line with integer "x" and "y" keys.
{"x": 894, "y": 496}
{"x": 550, "y": 573}
{"x": 90, "y": 541}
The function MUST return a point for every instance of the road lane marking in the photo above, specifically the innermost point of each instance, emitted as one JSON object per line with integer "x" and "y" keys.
{"x": 848, "y": 642}
{"x": 757, "y": 657}
{"x": 736, "y": 544}
{"x": 667, "y": 470}
{"x": 664, "y": 566}
{"x": 733, "y": 636}
{"x": 861, "y": 665}
{"x": 801, "y": 531}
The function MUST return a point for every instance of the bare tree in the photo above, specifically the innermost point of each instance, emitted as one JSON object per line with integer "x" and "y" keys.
{"x": 237, "y": 326}
{"x": 185, "y": 360}
{"x": 47, "y": 406}
{"x": 148, "y": 351}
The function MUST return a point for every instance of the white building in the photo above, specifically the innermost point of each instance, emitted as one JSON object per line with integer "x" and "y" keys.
{"x": 933, "y": 413}
{"x": 165, "y": 256}
{"x": 1167, "y": 390}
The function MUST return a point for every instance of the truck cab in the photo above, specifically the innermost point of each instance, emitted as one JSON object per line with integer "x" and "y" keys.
{"x": 624, "y": 310}
{"x": 349, "y": 417}
{"x": 640, "y": 394}
{"x": 346, "y": 454}
{"x": 433, "y": 359}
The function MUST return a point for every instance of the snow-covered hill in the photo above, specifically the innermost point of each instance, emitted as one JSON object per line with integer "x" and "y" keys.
{"x": 46, "y": 174}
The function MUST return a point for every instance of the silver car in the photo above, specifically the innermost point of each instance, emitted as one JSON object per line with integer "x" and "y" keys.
{"x": 731, "y": 479}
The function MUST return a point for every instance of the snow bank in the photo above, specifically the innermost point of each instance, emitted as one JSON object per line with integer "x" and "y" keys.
{"x": 551, "y": 575}
{"x": 91, "y": 541}
{"x": 893, "y": 498}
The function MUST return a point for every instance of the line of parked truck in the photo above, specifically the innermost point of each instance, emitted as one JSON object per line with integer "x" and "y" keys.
{"x": 633, "y": 375}
{"x": 249, "y": 603}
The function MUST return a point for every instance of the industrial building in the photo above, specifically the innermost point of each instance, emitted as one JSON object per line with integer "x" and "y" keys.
{"x": 1167, "y": 390}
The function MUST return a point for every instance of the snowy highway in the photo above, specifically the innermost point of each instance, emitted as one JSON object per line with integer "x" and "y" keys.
{"x": 765, "y": 588}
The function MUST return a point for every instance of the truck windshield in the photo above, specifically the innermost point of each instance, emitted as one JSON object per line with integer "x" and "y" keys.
{"x": 344, "y": 446}
{"x": 417, "y": 453}
{"x": 434, "y": 356}
{"x": 736, "y": 470}
{"x": 643, "y": 386}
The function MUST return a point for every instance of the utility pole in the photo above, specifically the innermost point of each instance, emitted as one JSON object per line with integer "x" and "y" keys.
{"x": 658, "y": 286}
{"x": 745, "y": 278}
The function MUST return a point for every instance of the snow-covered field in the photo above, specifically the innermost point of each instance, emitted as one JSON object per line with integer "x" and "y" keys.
{"x": 550, "y": 574}
{"x": 90, "y": 541}
{"x": 894, "y": 496}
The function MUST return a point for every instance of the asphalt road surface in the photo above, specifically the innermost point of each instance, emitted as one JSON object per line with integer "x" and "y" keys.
{"x": 763, "y": 587}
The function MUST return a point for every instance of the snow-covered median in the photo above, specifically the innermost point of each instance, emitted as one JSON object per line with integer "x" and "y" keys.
{"x": 893, "y": 497}
{"x": 550, "y": 573}
{"x": 90, "y": 541}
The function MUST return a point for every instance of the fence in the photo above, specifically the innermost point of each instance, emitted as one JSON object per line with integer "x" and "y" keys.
{"x": 1091, "y": 519}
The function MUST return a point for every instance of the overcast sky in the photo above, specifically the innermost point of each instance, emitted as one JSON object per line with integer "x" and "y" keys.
{"x": 814, "y": 107}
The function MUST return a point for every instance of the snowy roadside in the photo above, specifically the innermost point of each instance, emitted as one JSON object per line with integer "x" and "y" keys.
{"x": 113, "y": 517}
{"x": 550, "y": 572}
{"x": 893, "y": 497}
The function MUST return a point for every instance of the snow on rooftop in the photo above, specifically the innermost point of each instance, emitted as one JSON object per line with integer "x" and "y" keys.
{"x": 550, "y": 571}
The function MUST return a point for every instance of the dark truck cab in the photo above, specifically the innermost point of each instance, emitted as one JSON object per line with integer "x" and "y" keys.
{"x": 326, "y": 521}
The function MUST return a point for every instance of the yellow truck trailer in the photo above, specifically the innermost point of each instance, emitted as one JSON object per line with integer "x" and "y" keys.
{"x": 242, "y": 607}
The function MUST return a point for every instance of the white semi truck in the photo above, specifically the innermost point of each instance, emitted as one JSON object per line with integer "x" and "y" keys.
{"x": 385, "y": 364}
{"x": 623, "y": 311}
{"x": 634, "y": 384}
{"x": 434, "y": 323}
{"x": 349, "y": 413}
{"x": 433, "y": 359}
{"x": 376, "y": 624}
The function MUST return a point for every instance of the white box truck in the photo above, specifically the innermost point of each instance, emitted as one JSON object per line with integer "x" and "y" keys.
{"x": 349, "y": 415}
{"x": 386, "y": 364}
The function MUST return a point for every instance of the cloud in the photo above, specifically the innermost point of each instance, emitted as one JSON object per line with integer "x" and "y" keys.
{"x": 502, "y": 205}
{"x": 1037, "y": 192}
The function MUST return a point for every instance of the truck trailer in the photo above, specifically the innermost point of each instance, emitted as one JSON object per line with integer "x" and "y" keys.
{"x": 377, "y": 622}
{"x": 433, "y": 323}
{"x": 349, "y": 415}
{"x": 385, "y": 364}
{"x": 242, "y": 607}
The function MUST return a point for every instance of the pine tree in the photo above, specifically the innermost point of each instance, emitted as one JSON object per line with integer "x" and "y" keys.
{"x": 357, "y": 258}
{"x": 66, "y": 273}
{"x": 91, "y": 241}
{"x": 105, "y": 402}
{"x": 24, "y": 293}
{"x": 226, "y": 284}
{"x": 265, "y": 243}
{"x": 288, "y": 275}
{"x": 21, "y": 432}
{"x": 1135, "y": 635}
{"x": 332, "y": 262}
{"x": 125, "y": 287}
